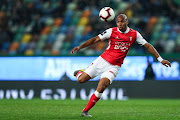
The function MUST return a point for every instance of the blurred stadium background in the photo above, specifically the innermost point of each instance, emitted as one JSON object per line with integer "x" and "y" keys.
{"x": 49, "y": 29}
{"x": 54, "y": 27}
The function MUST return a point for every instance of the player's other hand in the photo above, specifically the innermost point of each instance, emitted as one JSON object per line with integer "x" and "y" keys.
{"x": 75, "y": 49}
{"x": 166, "y": 63}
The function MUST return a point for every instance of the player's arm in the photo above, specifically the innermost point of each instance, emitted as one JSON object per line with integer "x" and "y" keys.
{"x": 103, "y": 36}
{"x": 154, "y": 52}
{"x": 89, "y": 42}
{"x": 141, "y": 41}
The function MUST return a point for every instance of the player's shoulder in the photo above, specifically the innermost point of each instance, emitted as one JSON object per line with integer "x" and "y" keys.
{"x": 114, "y": 28}
{"x": 132, "y": 30}
{"x": 109, "y": 30}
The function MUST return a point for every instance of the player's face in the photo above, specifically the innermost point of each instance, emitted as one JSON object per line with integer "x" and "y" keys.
{"x": 122, "y": 23}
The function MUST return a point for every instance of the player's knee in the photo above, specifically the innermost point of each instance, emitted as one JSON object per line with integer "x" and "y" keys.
{"x": 83, "y": 78}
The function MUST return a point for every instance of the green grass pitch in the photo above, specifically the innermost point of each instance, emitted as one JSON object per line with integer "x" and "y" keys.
{"x": 133, "y": 109}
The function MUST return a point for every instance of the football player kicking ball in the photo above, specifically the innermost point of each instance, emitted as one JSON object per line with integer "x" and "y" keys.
{"x": 120, "y": 39}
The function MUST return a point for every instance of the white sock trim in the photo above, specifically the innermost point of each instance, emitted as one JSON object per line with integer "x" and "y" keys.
{"x": 97, "y": 94}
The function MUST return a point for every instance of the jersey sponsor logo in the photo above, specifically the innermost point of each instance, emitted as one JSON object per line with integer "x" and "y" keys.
{"x": 122, "y": 46}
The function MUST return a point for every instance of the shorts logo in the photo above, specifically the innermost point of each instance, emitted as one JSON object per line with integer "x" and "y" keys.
{"x": 112, "y": 73}
{"x": 90, "y": 65}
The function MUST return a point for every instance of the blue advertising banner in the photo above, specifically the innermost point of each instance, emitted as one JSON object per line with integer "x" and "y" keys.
{"x": 53, "y": 68}
{"x": 166, "y": 73}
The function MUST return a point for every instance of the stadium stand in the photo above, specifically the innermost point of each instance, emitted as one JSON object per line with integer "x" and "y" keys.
{"x": 43, "y": 27}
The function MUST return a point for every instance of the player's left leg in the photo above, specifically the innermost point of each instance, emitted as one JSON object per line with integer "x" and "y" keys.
{"x": 103, "y": 84}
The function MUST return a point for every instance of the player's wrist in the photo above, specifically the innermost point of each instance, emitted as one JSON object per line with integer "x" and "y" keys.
{"x": 160, "y": 59}
{"x": 79, "y": 47}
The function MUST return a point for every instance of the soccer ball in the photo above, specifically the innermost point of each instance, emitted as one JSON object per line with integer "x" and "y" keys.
{"x": 106, "y": 14}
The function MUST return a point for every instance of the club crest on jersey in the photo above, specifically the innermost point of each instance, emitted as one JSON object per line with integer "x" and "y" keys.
{"x": 130, "y": 37}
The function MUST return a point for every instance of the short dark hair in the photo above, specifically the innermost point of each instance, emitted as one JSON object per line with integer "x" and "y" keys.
{"x": 124, "y": 15}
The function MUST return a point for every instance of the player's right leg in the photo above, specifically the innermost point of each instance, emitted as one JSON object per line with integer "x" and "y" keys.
{"x": 103, "y": 84}
{"x": 81, "y": 76}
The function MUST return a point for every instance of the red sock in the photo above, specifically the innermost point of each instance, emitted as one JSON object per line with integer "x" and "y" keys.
{"x": 91, "y": 103}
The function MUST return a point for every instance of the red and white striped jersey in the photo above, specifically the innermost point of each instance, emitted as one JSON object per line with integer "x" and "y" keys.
{"x": 119, "y": 44}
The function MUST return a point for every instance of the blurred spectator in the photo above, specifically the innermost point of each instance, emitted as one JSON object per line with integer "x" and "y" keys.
{"x": 54, "y": 27}
{"x": 159, "y": 46}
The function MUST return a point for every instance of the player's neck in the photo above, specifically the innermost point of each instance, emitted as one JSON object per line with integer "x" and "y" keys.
{"x": 125, "y": 30}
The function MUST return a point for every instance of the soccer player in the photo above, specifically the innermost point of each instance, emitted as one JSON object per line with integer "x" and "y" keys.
{"x": 120, "y": 39}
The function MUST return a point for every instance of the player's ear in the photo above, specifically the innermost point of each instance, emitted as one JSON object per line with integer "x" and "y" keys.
{"x": 127, "y": 22}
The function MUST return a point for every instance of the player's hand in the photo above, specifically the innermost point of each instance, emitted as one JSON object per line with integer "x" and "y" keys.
{"x": 166, "y": 63}
{"x": 75, "y": 49}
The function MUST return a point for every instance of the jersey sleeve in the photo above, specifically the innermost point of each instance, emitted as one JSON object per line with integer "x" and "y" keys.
{"x": 140, "y": 40}
{"x": 106, "y": 34}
